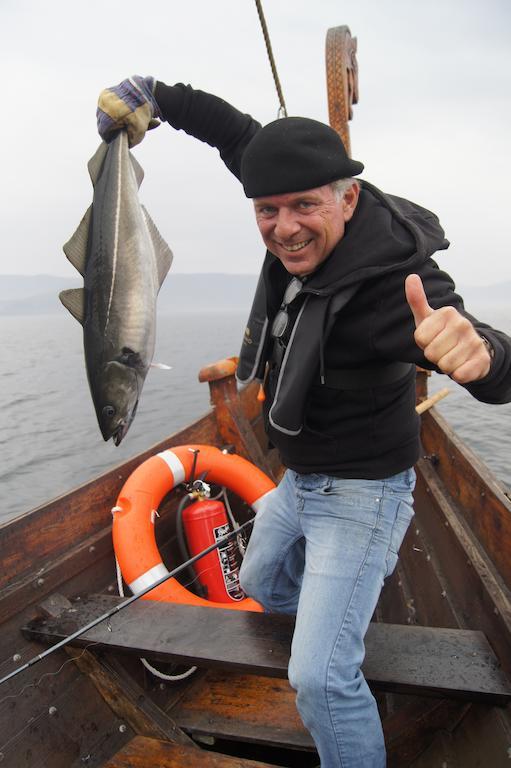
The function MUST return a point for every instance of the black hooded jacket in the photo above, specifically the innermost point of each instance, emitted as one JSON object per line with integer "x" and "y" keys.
{"x": 351, "y": 317}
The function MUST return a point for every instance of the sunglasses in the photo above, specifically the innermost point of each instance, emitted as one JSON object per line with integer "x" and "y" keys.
{"x": 282, "y": 317}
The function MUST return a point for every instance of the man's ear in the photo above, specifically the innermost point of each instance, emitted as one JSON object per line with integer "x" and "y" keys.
{"x": 350, "y": 200}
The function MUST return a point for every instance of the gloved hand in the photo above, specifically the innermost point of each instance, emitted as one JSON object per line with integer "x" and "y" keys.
{"x": 130, "y": 105}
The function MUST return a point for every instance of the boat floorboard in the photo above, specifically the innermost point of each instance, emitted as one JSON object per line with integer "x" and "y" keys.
{"x": 403, "y": 659}
{"x": 237, "y": 707}
{"x": 258, "y": 710}
{"x": 142, "y": 752}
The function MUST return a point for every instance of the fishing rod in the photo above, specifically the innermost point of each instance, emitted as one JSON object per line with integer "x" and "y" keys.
{"x": 116, "y": 609}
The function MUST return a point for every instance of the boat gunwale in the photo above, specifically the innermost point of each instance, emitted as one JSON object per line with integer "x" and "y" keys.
{"x": 481, "y": 498}
{"x": 62, "y": 524}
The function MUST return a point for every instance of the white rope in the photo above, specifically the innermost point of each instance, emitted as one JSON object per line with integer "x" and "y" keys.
{"x": 153, "y": 670}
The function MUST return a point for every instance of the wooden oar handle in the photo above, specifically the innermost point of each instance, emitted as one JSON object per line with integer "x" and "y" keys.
{"x": 431, "y": 401}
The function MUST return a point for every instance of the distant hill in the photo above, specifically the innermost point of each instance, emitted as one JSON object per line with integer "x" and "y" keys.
{"x": 38, "y": 294}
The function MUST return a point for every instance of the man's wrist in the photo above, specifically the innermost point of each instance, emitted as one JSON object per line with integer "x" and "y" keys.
{"x": 489, "y": 346}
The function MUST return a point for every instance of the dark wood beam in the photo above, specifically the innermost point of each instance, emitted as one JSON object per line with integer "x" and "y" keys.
{"x": 445, "y": 663}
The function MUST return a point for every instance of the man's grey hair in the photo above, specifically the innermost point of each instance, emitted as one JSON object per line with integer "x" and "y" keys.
{"x": 341, "y": 186}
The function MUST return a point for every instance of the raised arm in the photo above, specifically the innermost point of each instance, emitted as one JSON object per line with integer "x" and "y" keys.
{"x": 139, "y": 102}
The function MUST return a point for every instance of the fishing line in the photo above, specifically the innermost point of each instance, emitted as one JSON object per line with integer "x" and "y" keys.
{"x": 118, "y": 627}
{"x": 125, "y": 604}
{"x": 44, "y": 711}
{"x": 55, "y": 673}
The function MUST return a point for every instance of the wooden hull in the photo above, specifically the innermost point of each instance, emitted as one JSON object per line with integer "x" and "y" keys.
{"x": 453, "y": 573}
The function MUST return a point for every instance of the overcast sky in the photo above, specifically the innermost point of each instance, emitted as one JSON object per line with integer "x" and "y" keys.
{"x": 433, "y": 122}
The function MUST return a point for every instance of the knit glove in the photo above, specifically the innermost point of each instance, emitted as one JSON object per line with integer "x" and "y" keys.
{"x": 130, "y": 105}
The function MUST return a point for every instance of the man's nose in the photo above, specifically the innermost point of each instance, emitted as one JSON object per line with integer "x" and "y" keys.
{"x": 287, "y": 224}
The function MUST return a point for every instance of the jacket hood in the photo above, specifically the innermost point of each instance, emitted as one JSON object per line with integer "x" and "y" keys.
{"x": 386, "y": 233}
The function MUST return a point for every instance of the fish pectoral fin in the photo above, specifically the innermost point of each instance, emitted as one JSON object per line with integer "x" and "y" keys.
{"x": 139, "y": 171}
{"x": 74, "y": 300}
{"x": 95, "y": 164}
{"x": 76, "y": 247}
{"x": 161, "y": 249}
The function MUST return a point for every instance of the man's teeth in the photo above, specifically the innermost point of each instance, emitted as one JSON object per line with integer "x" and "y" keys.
{"x": 296, "y": 246}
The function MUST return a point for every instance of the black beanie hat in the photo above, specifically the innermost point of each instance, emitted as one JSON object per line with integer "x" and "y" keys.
{"x": 294, "y": 154}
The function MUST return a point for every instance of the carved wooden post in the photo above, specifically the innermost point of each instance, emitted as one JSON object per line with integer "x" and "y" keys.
{"x": 342, "y": 80}
{"x": 233, "y": 425}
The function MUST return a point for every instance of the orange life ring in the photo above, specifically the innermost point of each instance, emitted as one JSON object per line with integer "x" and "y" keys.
{"x": 133, "y": 523}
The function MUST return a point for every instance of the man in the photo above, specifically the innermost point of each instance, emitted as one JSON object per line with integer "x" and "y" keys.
{"x": 349, "y": 301}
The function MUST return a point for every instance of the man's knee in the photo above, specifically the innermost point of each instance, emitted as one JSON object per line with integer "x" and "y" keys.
{"x": 314, "y": 683}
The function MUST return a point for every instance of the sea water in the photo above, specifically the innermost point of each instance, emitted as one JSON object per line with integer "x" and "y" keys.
{"x": 49, "y": 438}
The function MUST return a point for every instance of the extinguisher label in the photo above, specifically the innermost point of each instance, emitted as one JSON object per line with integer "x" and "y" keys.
{"x": 229, "y": 563}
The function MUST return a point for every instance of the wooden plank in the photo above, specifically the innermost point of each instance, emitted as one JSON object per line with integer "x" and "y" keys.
{"x": 180, "y": 633}
{"x": 480, "y": 496}
{"x": 118, "y": 689}
{"x": 260, "y": 710}
{"x": 35, "y": 585}
{"x": 251, "y": 708}
{"x": 396, "y": 603}
{"x": 249, "y": 402}
{"x": 234, "y": 427}
{"x": 141, "y": 752}
{"x": 127, "y": 699}
{"x": 433, "y": 603}
{"x": 422, "y": 660}
{"x": 49, "y": 531}
{"x": 481, "y": 740}
{"x": 60, "y": 724}
{"x": 413, "y": 727}
{"x": 482, "y": 598}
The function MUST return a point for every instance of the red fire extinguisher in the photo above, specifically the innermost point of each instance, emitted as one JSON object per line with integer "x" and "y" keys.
{"x": 204, "y": 523}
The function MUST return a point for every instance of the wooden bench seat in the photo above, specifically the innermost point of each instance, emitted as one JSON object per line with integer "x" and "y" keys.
{"x": 142, "y": 752}
{"x": 404, "y": 659}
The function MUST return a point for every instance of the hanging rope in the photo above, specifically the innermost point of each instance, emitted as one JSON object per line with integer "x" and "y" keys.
{"x": 260, "y": 13}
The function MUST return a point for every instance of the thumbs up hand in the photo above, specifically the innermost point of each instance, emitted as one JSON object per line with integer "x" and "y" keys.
{"x": 447, "y": 339}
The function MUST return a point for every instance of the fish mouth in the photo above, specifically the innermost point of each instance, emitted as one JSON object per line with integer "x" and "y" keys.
{"x": 119, "y": 433}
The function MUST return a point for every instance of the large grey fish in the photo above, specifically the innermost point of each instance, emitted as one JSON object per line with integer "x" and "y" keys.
{"x": 123, "y": 260}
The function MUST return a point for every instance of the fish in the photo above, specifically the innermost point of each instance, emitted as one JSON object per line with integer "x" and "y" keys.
{"x": 123, "y": 260}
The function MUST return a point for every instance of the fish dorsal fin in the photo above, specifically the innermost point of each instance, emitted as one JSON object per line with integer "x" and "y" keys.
{"x": 161, "y": 249}
{"x": 95, "y": 164}
{"x": 76, "y": 247}
{"x": 74, "y": 300}
{"x": 139, "y": 171}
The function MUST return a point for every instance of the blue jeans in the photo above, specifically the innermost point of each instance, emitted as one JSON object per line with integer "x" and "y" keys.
{"x": 321, "y": 547}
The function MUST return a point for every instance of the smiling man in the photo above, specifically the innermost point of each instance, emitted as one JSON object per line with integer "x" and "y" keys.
{"x": 348, "y": 302}
{"x": 303, "y": 228}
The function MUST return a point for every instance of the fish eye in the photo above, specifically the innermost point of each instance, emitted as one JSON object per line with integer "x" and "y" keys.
{"x": 108, "y": 411}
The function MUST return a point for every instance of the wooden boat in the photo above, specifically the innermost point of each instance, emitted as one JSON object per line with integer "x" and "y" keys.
{"x": 438, "y": 650}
